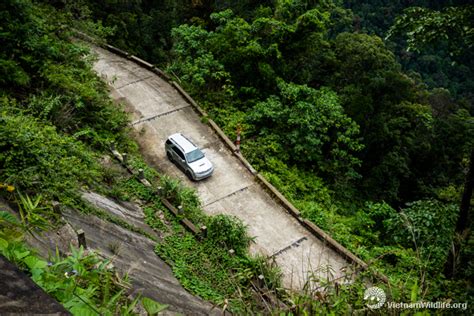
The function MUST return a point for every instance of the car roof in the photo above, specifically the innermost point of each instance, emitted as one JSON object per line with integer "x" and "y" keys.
{"x": 185, "y": 144}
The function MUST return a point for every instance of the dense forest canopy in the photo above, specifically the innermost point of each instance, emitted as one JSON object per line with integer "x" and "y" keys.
{"x": 360, "y": 112}
{"x": 436, "y": 65}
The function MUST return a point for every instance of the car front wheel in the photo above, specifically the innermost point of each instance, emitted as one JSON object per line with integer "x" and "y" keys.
{"x": 190, "y": 175}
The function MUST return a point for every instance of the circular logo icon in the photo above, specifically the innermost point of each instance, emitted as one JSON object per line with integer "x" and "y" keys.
{"x": 375, "y": 297}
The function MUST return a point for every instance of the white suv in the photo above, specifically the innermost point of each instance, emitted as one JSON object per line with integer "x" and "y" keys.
{"x": 188, "y": 157}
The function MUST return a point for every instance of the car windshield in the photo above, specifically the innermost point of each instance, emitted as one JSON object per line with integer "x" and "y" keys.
{"x": 194, "y": 155}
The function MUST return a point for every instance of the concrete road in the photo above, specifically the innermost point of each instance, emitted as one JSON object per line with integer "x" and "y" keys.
{"x": 158, "y": 111}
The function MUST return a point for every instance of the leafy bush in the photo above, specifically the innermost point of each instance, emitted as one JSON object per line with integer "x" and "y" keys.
{"x": 178, "y": 194}
{"x": 214, "y": 274}
{"x": 368, "y": 222}
{"x": 228, "y": 232}
{"x": 34, "y": 157}
{"x": 426, "y": 226}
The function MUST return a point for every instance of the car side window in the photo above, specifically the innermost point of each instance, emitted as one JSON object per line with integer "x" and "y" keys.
{"x": 168, "y": 142}
{"x": 178, "y": 152}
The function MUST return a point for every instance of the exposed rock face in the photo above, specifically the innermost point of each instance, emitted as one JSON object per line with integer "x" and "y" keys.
{"x": 129, "y": 212}
{"x": 134, "y": 254}
{"x": 131, "y": 253}
{"x": 19, "y": 295}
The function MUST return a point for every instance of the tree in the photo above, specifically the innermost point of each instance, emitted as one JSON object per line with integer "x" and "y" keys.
{"x": 439, "y": 46}
{"x": 312, "y": 126}
{"x": 464, "y": 219}
{"x": 424, "y": 27}
{"x": 195, "y": 64}
{"x": 255, "y": 52}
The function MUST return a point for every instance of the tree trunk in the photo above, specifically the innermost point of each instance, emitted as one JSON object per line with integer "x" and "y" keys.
{"x": 463, "y": 223}
{"x": 464, "y": 218}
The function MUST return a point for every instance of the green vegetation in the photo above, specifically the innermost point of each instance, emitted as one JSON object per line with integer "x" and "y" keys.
{"x": 228, "y": 233}
{"x": 48, "y": 92}
{"x": 56, "y": 118}
{"x": 371, "y": 141}
{"x": 449, "y": 24}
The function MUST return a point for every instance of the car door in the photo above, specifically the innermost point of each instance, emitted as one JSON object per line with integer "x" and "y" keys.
{"x": 179, "y": 157}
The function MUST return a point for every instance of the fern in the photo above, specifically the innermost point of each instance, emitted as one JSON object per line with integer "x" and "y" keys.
{"x": 152, "y": 307}
{"x": 9, "y": 219}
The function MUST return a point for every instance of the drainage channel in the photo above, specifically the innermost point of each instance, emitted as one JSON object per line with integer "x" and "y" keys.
{"x": 150, "y": 118}
{"x": 294, "y": 244}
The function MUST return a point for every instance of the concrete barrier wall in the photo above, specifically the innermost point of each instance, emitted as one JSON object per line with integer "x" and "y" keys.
{"x": 314, "y": 229}
{"x": 117, "y": 51}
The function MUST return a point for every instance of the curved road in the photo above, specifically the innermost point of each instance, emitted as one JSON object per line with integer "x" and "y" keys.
{"x": 158, "y": 111}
